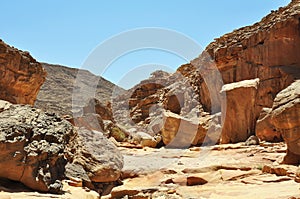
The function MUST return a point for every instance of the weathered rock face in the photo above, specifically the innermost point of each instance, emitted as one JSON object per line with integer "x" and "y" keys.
{"x": 265, "y": 130}
{"x": 267, "y": 50}
{"x": 257, "y": 52}
{"x": 32, "y": 147}
{"x": 36, "y": 146}
{"x": 20, "y": 75}
{"x": 285, "y": 116}
{"x": 146, "y": 95}
{"x": 238, "y": 111}
{"x": 250, "y": 53}
{"x": 98, "y": 160}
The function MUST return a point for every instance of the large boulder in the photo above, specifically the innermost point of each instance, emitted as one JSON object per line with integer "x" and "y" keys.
{"x": 283, "y": 121}
{"x": 100, "y": 165}
{"x": 20, "y": 75}
{"x": 94, "y": 160}
{"x": 238, "y": 111}
{"x": 286, "y": 119}
{"x": 32, "y": 146}
{"x": 39, "y": 149}
{"x": 180, "y": 132}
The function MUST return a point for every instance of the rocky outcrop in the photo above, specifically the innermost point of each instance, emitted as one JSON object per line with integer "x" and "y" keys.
{"x": 20, "y": 75}
{"x": 37, "y": 146}
{"x": 283, "y": 121}
{"x": 32, "y": 147}
{"x": 285, "y": 116}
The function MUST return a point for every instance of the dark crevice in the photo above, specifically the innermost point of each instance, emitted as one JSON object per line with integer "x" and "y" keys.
{"x": 261, "y": 42}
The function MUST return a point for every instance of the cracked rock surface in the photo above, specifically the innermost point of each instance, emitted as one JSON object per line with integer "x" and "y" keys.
{"x": 32, "y": 146}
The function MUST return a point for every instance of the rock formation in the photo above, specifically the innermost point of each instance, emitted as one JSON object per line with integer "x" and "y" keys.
{"x": 20, "y": 75}
{"x": 258, "y": 92}
{"x": 37, "y": 146}
{"x": 32, "y": 147}
{"x": 239, "y": 114}
{"x": 253, "y": 68}
{"x": 249, "y": 53}
{"x": 265, "y": 130}
{"x": 95, "y": 106}
{"x": 284, "y": 117}
{"x": 99, "y": 161}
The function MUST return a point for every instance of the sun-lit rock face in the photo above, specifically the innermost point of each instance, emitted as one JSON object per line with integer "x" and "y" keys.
{"x": 265, "y": 53}
{"x": 20, "y": 75}
{"x": 285, "y": 117}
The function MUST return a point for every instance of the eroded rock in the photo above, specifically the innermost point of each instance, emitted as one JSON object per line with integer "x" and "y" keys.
{"x": 99, "y": 158}
{"x": 20, "y": 75}
{"x": 238, "y": 111}
{"x": 286, "y": 118}
{"x": 32, "y": 147}
{"x": 265, "y": 130}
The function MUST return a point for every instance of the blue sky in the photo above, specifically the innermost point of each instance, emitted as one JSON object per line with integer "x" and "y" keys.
{"x": 66, "y": 32}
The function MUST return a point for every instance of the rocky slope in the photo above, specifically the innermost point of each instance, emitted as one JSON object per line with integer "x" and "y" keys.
{"x": 56, "y": 93}
{"x": 20, "y": 75}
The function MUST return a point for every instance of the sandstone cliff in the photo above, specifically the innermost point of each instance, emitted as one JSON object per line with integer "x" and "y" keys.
{"x": 20, "y": 75}
{"x": 255, "y": 63}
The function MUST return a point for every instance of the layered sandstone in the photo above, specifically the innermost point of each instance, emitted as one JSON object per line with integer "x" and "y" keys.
{"x": 20, "y": 75}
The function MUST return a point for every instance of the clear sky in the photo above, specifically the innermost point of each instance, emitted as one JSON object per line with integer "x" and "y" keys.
{"x": 65, "y": 32}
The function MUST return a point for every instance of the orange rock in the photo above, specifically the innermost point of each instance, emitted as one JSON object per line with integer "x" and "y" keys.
{"x": 238, "y": 113}
{"x": 20, "y": 75}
